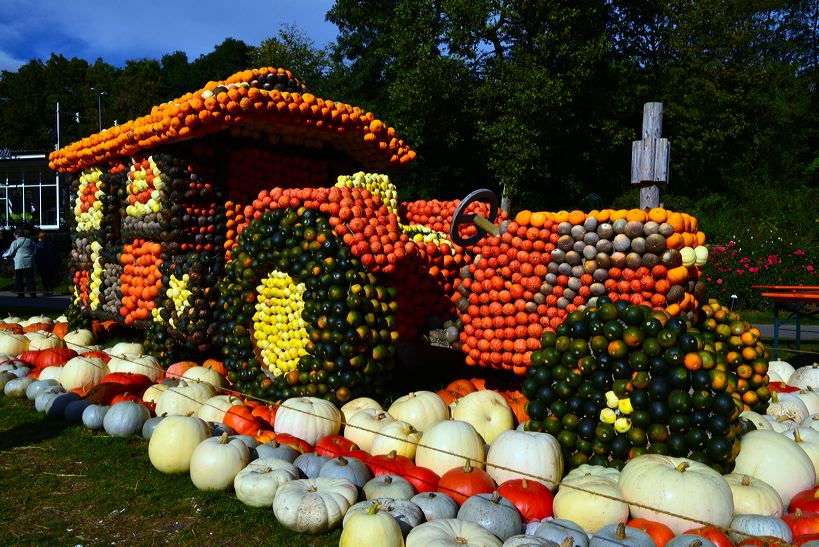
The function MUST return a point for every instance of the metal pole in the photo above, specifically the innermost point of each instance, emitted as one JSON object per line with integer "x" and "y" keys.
{"x": 99, "y": 109}
{"x": 57, "y": 175}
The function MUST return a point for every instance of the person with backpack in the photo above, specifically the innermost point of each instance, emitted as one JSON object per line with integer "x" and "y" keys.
{"x": 22, "y": 251}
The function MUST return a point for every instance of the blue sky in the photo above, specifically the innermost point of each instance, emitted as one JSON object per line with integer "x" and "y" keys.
{"x": 118, "y": 30}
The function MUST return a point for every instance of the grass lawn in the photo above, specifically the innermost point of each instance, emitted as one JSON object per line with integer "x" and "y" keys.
{"x": 65, "y": 485}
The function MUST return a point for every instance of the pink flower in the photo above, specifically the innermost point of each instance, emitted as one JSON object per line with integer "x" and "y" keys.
{"x": 799, "y": 252}
{"x": 810, "y": 269}
{"x": 719, "y": 281}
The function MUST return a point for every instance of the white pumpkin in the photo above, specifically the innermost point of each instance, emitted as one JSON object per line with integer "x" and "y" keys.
{"x": 216, "y": 461}
{"x": 137, "y": 364}
{"x": 808, "y": 440}
{"x": 487, "y": 411}
{"x": 753, "y": 496}
{"x": 35, "y": 388}
{"x": 451, "y": 532}
{"x": 173, "y": 442}
{"x": 397, "y": 436}
{"x": 125, "y": 419}
{"x": 51, "y": 373}
{"x": 690, "y": 489}
{"x": 206, "y": 375}
{"x": 17, "y": 388}
{"x": 780, "y": 371}
{"x": 447, "y": 444}
{"x": 183, "y": 400}
{"x": 574, "y": 499}
{"x": 810, "y": 398}
{"x": 351, "y": 408}
{"x": 36, "y": 319}
{"x": 313, "y": 506}
{"x": 125, "y": 348}
{"x": 777, "y": 460}
{"x": 153, "y": 392}
{"x": 371, "y": 527}
{"x": 422, "y": 409}
{"x": 759, "y": 421}
{"x": 744, "y": 526}
{"x": 12, "y": 344}
{"x": 530, "y": 454}
{"x": 213, "y": 410}
{"x": 82, "y": 371}
{"x": 811, "y": 421}
{"x": 43, "y": 340}
{"x": 805, "y": 377}
{"x": 781, "y": 424}
{"x": 586, "y": 470}
{"x": 389, "y": 486}
{"x": 308, "y": 418}
{"x": 79, "y": 340}
{"x": 406, "y": 513}
{"x": 256, "y": 484}
{"x": 363, "y": 426}
{"x": 787, "y": 405}
{"x": 6, "y": 377}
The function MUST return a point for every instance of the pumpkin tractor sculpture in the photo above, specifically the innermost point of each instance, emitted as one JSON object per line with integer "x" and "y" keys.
{"x": 245, "y": 219}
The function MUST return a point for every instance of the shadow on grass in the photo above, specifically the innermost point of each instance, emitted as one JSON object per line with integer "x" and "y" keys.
{"x": 31, "y": 431}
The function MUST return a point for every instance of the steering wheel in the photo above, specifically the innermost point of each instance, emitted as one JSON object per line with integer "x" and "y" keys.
{"x": 484, "y": 225}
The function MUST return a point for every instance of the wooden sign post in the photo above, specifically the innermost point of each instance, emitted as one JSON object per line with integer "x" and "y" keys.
{"x": 650, "y": 156}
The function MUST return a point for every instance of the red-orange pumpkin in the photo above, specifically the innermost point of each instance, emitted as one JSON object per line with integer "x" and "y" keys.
{"x": 334, "y": 446}
{"x": 802, "y": 523}
{"x": 533, "y": 500}
{"x": 54, "y": 357}
{"x": 659, "y": 532}
{"x": 461, "y": 483}
{"x": 241, "y": 420}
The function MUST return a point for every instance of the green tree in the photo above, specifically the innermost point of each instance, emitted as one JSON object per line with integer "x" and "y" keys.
{"x": 294, "y": 50}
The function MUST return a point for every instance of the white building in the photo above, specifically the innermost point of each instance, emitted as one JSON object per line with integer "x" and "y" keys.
{"x": 30, "y": 192}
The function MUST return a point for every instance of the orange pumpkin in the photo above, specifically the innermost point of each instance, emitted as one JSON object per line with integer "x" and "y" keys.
{"x": 241, "y": 420}
{"x": 60, "y": 329}
{"x": 462, "y": 387}
{"x": 218, "y": 366}
{"x": 659, "y": 532}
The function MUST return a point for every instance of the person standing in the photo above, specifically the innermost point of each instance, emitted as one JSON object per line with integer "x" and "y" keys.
{"x": 46, "y": 260}
{"x": 22, "y": 251}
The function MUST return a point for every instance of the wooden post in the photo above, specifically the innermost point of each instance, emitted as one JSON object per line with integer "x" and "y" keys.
{"x": 650, "y": 157}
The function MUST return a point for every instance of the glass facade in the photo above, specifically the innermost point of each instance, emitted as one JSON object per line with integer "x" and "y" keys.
{"x": 30, "y": 192}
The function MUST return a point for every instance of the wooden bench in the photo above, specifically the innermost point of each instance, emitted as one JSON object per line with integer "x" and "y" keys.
{"x": 800, "y": 300}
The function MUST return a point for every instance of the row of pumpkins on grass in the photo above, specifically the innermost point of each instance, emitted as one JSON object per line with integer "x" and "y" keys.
{"x": 422, "y": 471}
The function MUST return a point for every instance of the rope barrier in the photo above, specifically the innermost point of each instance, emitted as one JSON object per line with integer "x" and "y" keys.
{"x": 418, "y": 444}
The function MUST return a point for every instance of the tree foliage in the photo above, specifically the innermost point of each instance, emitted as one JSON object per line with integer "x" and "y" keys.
{"x": 540, "y": 98}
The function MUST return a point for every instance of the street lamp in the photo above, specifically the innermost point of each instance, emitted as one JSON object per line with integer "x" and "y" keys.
{"x": 99, "y": 104}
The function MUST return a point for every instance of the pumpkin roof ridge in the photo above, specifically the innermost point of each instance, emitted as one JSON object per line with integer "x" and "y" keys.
{"x": 243, "y": 100}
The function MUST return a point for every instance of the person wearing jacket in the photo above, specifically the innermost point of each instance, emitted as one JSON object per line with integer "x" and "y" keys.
{"x": 47, "y": 261}
{"x": 22, "y": 251}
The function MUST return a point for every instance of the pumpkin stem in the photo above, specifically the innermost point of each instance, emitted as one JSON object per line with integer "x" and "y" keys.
{"x": 312, "y": 488}
{"x": 392, "y": 454}
{"x": 374, "y": 508}
{"x": 495, "y": 497}
{"x": 696, "y": 543}
{"x": 798, "y": 513}
{"x": 468, "y": 467}
{"x": 460, "y": 541}
{"x": 568, "y": 541}
{"x": 342, "y": 460}
{"x": 387, "y": 479}
{"x": 224, "y": 438}
{"x": 524, "y": 484}
{"x": 683, "y": 466}
{"x": 746, "y": 480}
{"x": 774, "y": 397}
{"x": 620, "y": 533}
{"x": 796, "y": 436}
